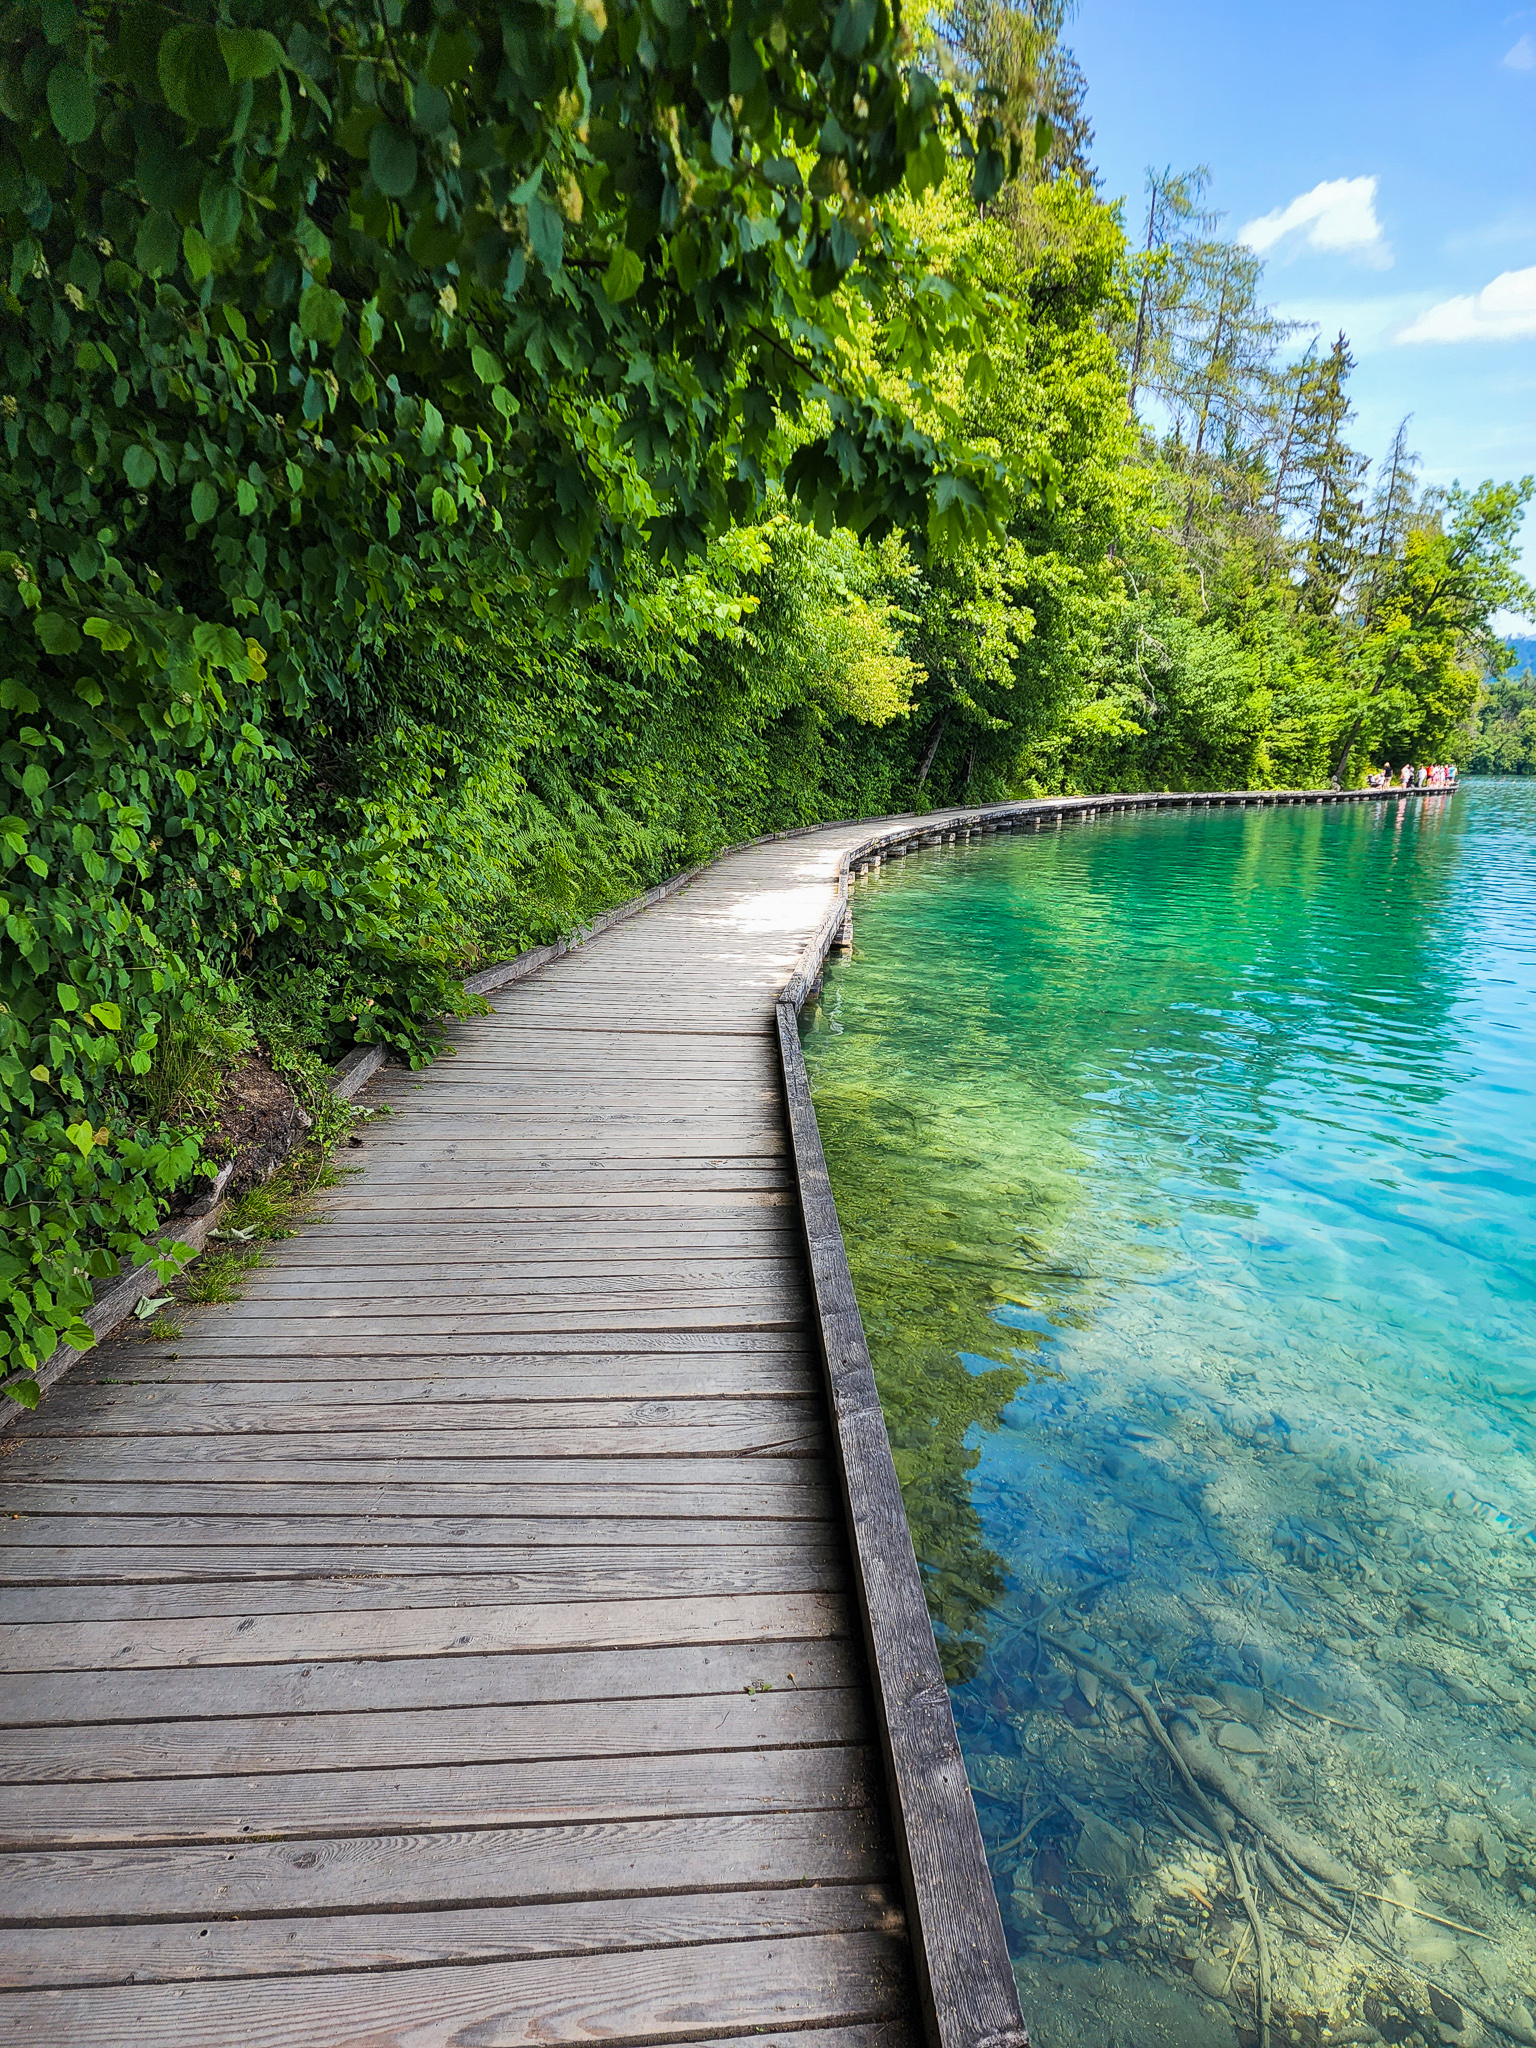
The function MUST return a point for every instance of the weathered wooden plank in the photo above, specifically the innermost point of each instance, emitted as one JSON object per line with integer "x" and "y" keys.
{"x": 234, "y": 1747}
{"x": 543, "y": 1792}
{"x": 679, "y": 1347}
{"x": 156, "y": 1381}
{"x": 262, "y": 1581}
{"x": 217, "y": 1341}
{"x": 469, "y": 1538}
{"x": 536, "y": 1304}
{"x": 169, "y": 1412}
{"x": 187, "y": 1951}
{"x": 432, "y": 1325}
{"x": 408, "y": 1490}
{"x": 662, "y": 1994}
{"x": 493, "y": 1286}
{"x": 419, "y": 1632}
{"x": 330, "y": 1456}
{"x": 399, "y": 1872}
{"x": 760, "y": 1261}
{"x": 535, "y": 1678}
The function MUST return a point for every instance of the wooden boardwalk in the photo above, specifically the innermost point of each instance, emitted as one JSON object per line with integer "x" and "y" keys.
{"x": 451, "y": 1641}
{"x": 457, "y": 1640}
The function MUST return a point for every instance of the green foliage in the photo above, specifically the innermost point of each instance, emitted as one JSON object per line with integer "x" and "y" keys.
{"x": 192, "y": 1054}
{"x": 313, "y": 376}
{"x": 1501, "y": 734}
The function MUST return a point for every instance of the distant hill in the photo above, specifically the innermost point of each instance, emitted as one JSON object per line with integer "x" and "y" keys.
{"x": 1525, "y": 654}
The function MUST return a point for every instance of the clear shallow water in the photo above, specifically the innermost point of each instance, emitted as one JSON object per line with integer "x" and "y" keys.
{"x": 1187, "y": 1165}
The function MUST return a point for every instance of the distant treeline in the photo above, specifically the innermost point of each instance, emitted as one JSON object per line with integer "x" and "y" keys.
{"x": 1501, "y": 733}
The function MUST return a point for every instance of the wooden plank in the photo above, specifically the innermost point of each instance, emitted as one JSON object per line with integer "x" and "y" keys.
{"x": 471, "y": 1537}
{"x": 187, "y": 1951}
{"x": 419, "y": 1632}
{"x": 398, "y": 1872}
{"x": 409, "y": 1490}
{"x": 490, "y": 1306}
{"x": 663, "y": 1994}
{"x": 325, "y": 1456}
{"x": 529, "y": 1678}
{"x": 235, "y": 1747}
{"x": 315, "y": 1803}
{"x": 630, "y": 1347}
{"x": 156, "y": 1380}
{"x": 965, "y": 1976}
{"x": 216, "y": 1342}
{"x": 171, "y": 1413}
{"x": 465, "y": 1281}
{"x": 758, "y": 1260}
{"x": 259, "y": 1581}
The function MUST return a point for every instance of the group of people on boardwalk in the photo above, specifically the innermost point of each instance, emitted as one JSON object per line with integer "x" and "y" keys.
{"x": 1411, "y": 777}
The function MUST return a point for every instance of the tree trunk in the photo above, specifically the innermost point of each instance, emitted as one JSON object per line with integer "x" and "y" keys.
{"x": 931, "y": 744}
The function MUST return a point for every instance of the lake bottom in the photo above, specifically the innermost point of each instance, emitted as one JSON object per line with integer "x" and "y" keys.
{"x": 1187, "y": 1172}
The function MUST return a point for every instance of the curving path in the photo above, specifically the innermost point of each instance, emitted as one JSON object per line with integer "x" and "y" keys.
{"x": 454, "y": 1641}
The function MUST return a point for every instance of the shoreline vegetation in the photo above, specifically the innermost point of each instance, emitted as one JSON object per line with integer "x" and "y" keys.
{"x": 461, "y": 467}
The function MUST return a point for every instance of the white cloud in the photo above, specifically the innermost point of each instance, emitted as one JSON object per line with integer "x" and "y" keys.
{"x": 1522, "y": 56}
{"x": 1502, "y": 311}
{"x": 1338, "y": 215}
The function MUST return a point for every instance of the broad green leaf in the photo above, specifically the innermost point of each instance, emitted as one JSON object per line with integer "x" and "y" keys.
{"x": 245, "y": 496}
{"x": 193, "y": 75}
{"x": 71, "y": 102}
{"x": 158, "y": 244}
{"x": 186, "y": 782}
{"x": 108, "y": 1016}
{"x": 87, "y": 559}
{"x": 23, "y": 1392}
{"x": 392, "y": 159}
{"x": 322, "y": 314}
{"x": 444, "y": 510}
{"x": 198, "y": 254}
{"x": 486, "y": 366}
{"x": 205, "y": 501}
{"x": 139, "y": 466}
{"x": 223, "y": 645}
{"x": 34, "y": 779}
{"x": 219, "y": 209}
{"x": 450, "y": 56}
{"x": 113, "y": 637}
{"x": 58, "y": 634}
{"x": 624, "y": 276}
{"x": 546, "y": 236}
{"x": 250, "y": 53}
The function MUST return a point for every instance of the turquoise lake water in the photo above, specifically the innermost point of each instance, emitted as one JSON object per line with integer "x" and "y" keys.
{"x": 1187, "y": 1164}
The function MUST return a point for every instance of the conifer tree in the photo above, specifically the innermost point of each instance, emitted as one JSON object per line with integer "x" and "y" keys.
{"x": 1392, "y": 507}
{"x": 1333, "y": 473}
{"x": 1174, "y": 212}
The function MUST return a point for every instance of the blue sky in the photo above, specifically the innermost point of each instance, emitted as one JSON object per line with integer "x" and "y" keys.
{"x": 1431, "y": 272}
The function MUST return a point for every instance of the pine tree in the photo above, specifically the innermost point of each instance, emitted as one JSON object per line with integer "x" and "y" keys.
{"x": 1392, "y": 507}
{"x": 1333, "y": 473}
{"x": 1174, "y": 211}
